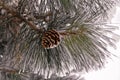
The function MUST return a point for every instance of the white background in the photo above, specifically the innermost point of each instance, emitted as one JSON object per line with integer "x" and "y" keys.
{"x": 112, "y": 69}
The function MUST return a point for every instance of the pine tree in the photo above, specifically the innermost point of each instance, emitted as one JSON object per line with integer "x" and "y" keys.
{"x": 54, "y": 39}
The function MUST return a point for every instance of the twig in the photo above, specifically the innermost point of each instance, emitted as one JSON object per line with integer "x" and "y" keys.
{"x": 12, "y": 70}
{"x": 75, "y": 32}
{"x": 8, "y": 70}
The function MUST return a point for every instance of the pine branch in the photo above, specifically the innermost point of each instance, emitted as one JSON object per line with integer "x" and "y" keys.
{"x": 81, "y": 46}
